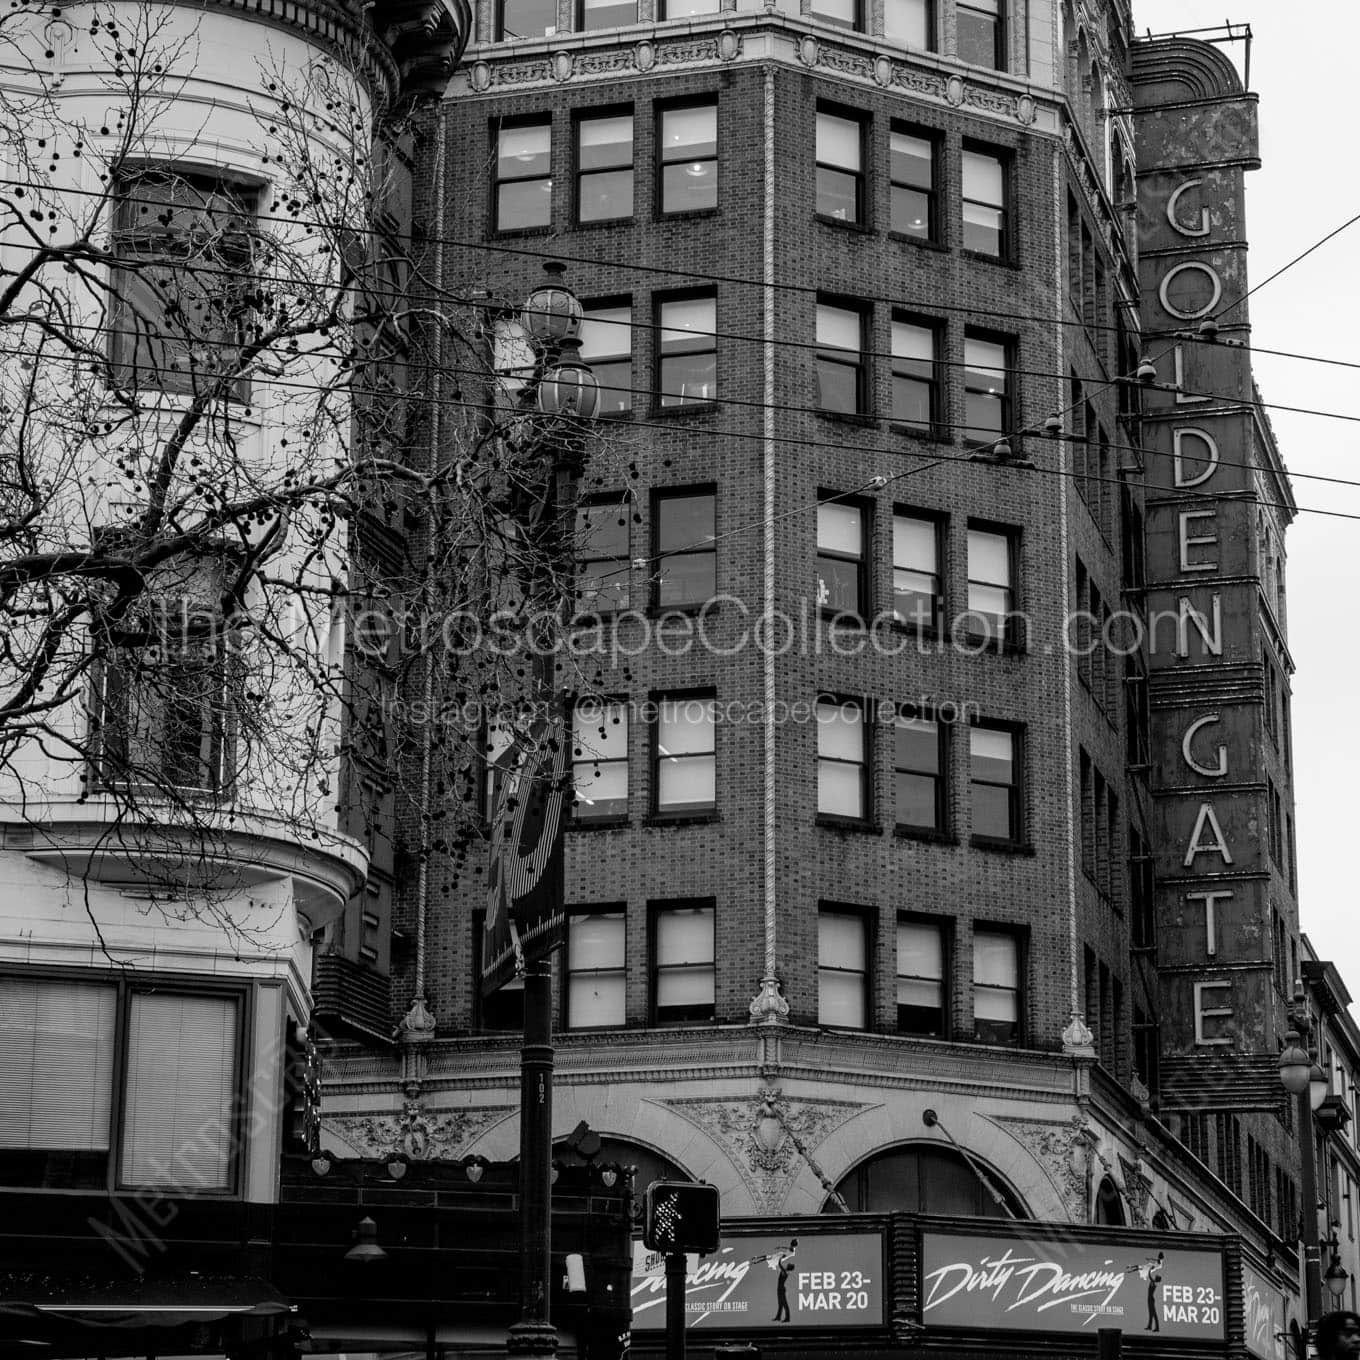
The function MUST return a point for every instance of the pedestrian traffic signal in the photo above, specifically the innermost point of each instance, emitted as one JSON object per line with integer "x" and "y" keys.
{"x": 680, "y": 1216}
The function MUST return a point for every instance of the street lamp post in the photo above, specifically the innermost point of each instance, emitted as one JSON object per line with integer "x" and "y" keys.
{"x": 1304, "y": 1079}
{"x": 565, "y": 393}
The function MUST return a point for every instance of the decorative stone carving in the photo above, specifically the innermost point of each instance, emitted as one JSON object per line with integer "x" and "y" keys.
{"x": 954, "y": 91}
{"x": 1137, "y": 1188}
{"x": 1025, "y": 110}
{"x": 729, "y": 45}
{"x": 679, "y": 54}
{"x": 883, "y": 71}
{"x": 919, "y": 81}
{"x": 1077, "y": 1039}
{"x": 479, "y": 76}
{"x": 562, "y": 65}
{"x": 808, "y": 50}
{"x": 1052, "y": 1145}
{"x": 525, "y": 73}
{"x": 990, "y": 100}
{"x": 769, "y": 1006}
{"x": 767, "y": 1173}
{"x": 644, "y": 55}
{"x": 848, "y": 63}
{"x": 419, "y": 1133}
{"x": 601, "y": 63}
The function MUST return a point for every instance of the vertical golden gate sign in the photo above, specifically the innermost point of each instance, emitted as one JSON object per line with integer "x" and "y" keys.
{"x": 1203, "y": 448}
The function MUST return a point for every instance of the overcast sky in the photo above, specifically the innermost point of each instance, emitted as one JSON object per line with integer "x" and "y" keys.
{"x": 1303, "y": 69}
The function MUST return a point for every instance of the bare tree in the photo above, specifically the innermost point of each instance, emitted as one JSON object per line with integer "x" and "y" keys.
{"x": 262, "y": 499}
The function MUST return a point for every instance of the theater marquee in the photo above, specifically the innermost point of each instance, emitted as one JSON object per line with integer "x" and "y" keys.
{"x": 1064, "y": 1286}
{"x": 825, "y": 1279}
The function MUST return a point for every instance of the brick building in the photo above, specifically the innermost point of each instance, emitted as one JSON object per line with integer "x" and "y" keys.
{"x": 890, "y": 825}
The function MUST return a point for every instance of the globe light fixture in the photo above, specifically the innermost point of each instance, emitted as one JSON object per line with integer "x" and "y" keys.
{"x": 1317, "y": 1086}
{"x": 552, "y": 315}
{"x": 569, "y": 389}
{"x": 1295, "y": 1065}
{"x": 1337, "y": 1277}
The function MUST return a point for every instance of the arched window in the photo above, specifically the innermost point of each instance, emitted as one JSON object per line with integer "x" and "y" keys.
{"x": 927, "y": 1179}
{"x": 651, "y": 1165}
{"x": 1109, "y": 1206}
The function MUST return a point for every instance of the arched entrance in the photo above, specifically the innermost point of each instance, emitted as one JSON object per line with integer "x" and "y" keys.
{"x": 927, "y": 1179}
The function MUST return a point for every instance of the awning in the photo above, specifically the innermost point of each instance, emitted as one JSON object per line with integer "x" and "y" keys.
{"x": 145, "y": 1301}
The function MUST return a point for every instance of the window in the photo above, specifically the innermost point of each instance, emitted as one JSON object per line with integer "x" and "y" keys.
{"x": 915, "y": 378}
{"x": 689, "y": 157}
{"x": 685, "y": 547}
{"x": 842, "y": 760}
{"x": 525, "y": 19}
{"x": 920, "y": 978}
{"x": 982, "y": 33}
{"x": 920, "y": 763}
{"x": 682, "y": 963}
{"x": 842, "y": 970}
{"x": 840, "y": 167}
{"x": 986, "y": 389}
{"x": 984, "y": 204}
{"x": 685, "y": 9}
{"x": 841, "y": 584}
{"x": 840, "y": 359}
{"x": 602, "y": 556}
{"x": 524, "y": 176}
{"x": 594, "y": 981}
{"x": 991, "y": 584}
{"x": 684, "y": 780}
{"x": 171, "y": 1099}
{"x": 181, "y": 304}
{"x": 912, "y": 173}
{"x": 910, "y": 23}
{"x": 607, "y": 346}
{"x": 599, "y": 759}
{"x": 180, "y": 1087}
{"x": 995, "y": 771}
{"x": 846, "y": 13}
{"x": 918, "y": 599}
{"x": 996, "y": 987}
{"x": 594, "y": 14}
{"x": 164, "y": 713}
{"x": 604, "y": 167}
{"x": 687, "y": 350}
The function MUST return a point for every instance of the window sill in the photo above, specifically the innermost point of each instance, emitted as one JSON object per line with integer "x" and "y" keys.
{"x": 979, "y": 644}
{"x": 927, "y": 632}
{"x": 697, "y": 609}
{"x": 852, "y": 825}
{"x": 842, "y": 618}
{"x": 684, "y": 214}
{"x": 860, "y": 228}
{"x": 617, "y": 415}
{"x": 861, "y": 419}
{"x": 681, "y": 818}
{"x": 931, "y": 436}
{"x": 510, "y": 232}
{"x": 599, "y": 823}
{"x": 628, "y": 221}
{"x": 1001, "y": 847}
{"x": 1002, "y": 261}
{"x": 924, "y": 834}
{"x": 686, "y": 410}
{"x": 922, "y": 242}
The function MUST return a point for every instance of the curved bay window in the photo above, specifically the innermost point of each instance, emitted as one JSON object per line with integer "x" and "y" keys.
{"x": 926, "y": 1180}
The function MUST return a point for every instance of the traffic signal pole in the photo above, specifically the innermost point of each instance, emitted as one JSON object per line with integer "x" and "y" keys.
{"x": 534, "y": 1334}
{"x": 675, "y": 1305}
